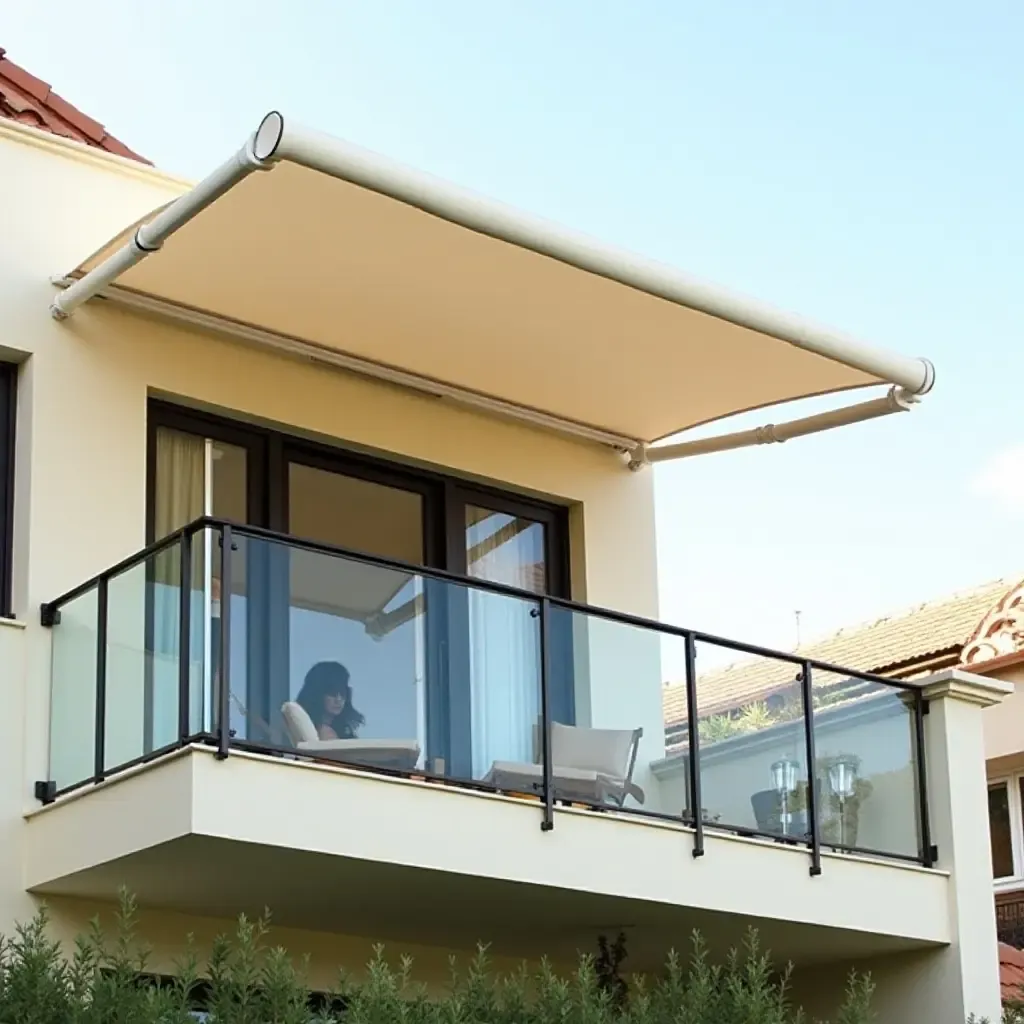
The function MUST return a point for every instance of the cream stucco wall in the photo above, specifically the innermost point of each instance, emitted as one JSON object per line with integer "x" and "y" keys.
{"x": 165, "y": 934}
{"x": 1004, "y": 724}
{"x": 81, "y": 470}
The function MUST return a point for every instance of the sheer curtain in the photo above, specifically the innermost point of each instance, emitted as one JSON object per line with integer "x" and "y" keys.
{"x": 504, "y": 637}
{"x": 179, "y": 499}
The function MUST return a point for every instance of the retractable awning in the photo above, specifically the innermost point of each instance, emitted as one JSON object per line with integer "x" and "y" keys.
{"x": 309, "y": 244}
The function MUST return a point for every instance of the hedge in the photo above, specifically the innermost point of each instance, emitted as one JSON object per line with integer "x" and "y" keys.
{"x": 107, "y": 980}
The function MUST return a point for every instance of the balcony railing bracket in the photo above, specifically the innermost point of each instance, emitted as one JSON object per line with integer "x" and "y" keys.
{"x": 46, "y": 791}
{"x": 636, "y": 458}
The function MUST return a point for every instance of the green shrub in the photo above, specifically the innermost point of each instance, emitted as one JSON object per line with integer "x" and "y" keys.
{"x": 106, "y": 980}
{"x": 1013, "y": 1013}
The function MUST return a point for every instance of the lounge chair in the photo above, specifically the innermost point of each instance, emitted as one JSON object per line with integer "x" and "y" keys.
{"x": 587, "y": 766}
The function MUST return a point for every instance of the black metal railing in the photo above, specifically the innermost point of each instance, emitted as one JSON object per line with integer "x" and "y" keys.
{"x": 147, "y": 650}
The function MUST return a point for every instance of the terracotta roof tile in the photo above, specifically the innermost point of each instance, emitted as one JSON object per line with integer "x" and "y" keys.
{"x": 888, "y": 646}
{"x": 1011, "y": 973}
{"x": 29, "y": 100}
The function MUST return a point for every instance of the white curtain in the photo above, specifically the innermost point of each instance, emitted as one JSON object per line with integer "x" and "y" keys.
{"x": 504, "y": 640}
{"x": 178, "y": 500}
{"x": 180, "y": 480}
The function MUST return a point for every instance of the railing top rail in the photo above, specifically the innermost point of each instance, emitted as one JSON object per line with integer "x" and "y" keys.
{"x": 124, "y": 565}
{"x": 334, "y": 550}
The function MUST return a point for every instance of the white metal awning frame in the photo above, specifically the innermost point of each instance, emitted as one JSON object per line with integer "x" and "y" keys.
{"x": 276, "y": 141}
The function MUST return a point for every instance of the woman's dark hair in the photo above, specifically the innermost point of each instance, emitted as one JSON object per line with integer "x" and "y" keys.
{"x": 330, "y": 679}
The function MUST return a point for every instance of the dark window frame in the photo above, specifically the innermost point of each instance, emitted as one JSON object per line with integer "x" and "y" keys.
{"x": 555, "y": 520}
{"x": 1006, "y": 785}
{"x": 8, "y": 416}
{"x": 189, "y": 421}
{"x": 374, "y": 471}
{"x": 445, "y": 495}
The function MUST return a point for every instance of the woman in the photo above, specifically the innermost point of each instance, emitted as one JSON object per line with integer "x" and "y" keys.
{"x": 326, "y": 695}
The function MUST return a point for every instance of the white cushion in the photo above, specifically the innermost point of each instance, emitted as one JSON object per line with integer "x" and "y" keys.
{"x": 400, "y": 754}
{"x": 298, "y": 723}
{"x": 569, "y": 783}
{"x": 605, "y": 751}
{"x": 403, "y": 746}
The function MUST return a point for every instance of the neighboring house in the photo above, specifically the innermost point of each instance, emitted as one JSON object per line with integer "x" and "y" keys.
{"x": 996, "y": 650}
{"x": 1011, "y": 973}
{"x": 329, "y": 584}
{"x": 981, "y": 630}
{"x": 30, "y": 101}
{"x": 906, "y": 645}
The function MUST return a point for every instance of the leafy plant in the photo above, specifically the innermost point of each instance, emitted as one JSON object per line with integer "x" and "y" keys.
{"x": 610, "y": 958}
{"x": 1013, "y": 1013}
{"x": 106, "y": 980}
{"x": 761, "y": 714}
{"x": 755, "y": 717}
{"x": 716, "y": 728}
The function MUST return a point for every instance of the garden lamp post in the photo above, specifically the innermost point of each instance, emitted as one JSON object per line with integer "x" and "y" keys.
{"x": 784, "y": 781}
{"x": 842, "y": 780}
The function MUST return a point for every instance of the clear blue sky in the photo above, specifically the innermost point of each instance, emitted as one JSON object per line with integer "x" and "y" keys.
{"x": 861, "y": 164}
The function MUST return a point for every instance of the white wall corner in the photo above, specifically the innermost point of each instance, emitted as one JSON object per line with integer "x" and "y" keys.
{"x": 957, "y": 787}
{"x": 956, "y": 684}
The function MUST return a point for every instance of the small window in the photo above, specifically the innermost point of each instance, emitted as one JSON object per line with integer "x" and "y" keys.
{"x": 8, "y": 383}
{"x": 1000, "y": 830}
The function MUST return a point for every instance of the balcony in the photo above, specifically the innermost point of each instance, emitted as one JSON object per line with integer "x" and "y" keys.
{"x": 481, "y": 745}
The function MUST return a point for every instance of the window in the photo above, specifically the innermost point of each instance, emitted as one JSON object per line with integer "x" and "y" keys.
{"x": 8, "y": 382}
{"x": 418, "y": 648}
{"x": 1006, "y": 827}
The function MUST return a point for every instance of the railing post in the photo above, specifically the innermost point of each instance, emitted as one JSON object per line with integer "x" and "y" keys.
{"x": 99, "y": 753}
{"x": 224, "y": 693}
{"x": 184, "y": 638}
{"x": 693, "y": 736}
{"x": 812, "y": 789}
{"x": 548, "y": 821}
{"x": 927, "y": 853}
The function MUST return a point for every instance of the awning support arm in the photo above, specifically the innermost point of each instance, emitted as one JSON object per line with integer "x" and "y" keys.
{"x": 897, "y": 400}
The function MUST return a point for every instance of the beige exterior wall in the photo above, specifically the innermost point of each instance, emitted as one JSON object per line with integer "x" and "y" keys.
{"x": 1004, "y": 724}
{"x": 81, "y": 470}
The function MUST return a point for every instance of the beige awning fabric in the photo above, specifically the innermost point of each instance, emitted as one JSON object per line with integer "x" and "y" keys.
{"x": 305, "y": 253}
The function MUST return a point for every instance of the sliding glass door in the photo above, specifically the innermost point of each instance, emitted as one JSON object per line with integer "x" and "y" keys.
{"x": 353, "y": 628}
{"x": 375, "y": 653}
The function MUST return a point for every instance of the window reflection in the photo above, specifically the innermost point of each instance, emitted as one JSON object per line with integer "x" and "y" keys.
{"x": 505, "y": 549}
{"x": 999, "y": 831}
